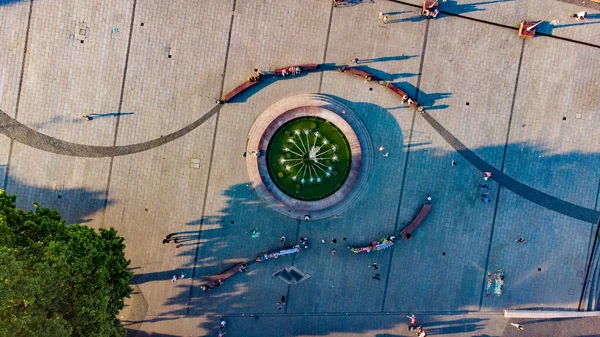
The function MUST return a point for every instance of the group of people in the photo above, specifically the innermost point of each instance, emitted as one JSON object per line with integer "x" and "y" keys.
{"x": 407, "y": 100}
{"x": 291, "y": 71}
{"x": 257, "y": 76}
{"x": 430, "y": 13}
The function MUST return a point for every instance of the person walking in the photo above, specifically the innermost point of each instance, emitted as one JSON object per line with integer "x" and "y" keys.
{"x": 281, "y": 303}
{"x": 580, "y": 15}
{"x": 282, "y": 240}
{"x": 486, "y": 198}
{"x": 484, "y": 186}
{"x": 334, "y": 240}
{"x": 333, "y": 251}
{"x": 376, "y": 277}
{"x": 454, "y": 163}
{"x": 413, "y": 322}
{"x": 487, "y": 175}
{"x": 385, "y": 19}
{"x": 374, "y": 266}
{"x": 521, "y": 240}
{"x": 518, "y": 326}
{"x": 355, "y": 60}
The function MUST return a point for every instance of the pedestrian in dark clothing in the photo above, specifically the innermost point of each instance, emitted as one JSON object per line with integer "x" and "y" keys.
{"x": 376, "y": 277}
{"x": 521, "y": 240}
{"x": 356, "y": 60}
{"x": 454, "y": 162}
{"x": 169, "y": 235}
{"x": 484, "y": 186}
{"x": 334, "y": 240}
{"x": 374, "y": 266}
{"x": 165, "y": 241}
{"x": 486, "y": 197}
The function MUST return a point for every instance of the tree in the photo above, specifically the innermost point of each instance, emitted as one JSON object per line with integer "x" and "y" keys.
{"x": 58, "y": 280}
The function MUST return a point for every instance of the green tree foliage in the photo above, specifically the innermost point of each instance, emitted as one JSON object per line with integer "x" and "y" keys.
{"x": 58, "y": 280}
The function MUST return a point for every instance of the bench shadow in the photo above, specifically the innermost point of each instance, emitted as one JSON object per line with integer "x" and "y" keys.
{"x": 452, "y": 6}
{"x": 384, "y": 75}
{"x": 387, "y": 59}
{"x": 547, "y": 28}
{"x": 427, "y": 100}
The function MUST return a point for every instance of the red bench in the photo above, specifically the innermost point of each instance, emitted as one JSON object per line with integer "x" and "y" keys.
{"x": 402, "y": 94}
{"x": 238, "y": 89}
{"x": 359, "y": 73}
{"x": 406, "y": 233}
{"x": 303, "y": 67}
{"x": 218, "y": 279}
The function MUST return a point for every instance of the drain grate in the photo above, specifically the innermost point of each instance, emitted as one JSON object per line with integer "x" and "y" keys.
{"x": 195, "y": 163}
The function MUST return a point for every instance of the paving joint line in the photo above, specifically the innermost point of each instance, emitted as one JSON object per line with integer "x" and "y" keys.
{"x": 510, "y": 117}
{"x": 212, "y": 153}
{"x": 326, "y": 45}
{"x": 119, "y": 109}
{"x": 343, "y": 314}
{"x": 12, "y": 141}
{"x": 410, "y": 135}
{"x": 287, "y": 294}
{"x": 502, "y": 25}
{"x": 592, "y": 251}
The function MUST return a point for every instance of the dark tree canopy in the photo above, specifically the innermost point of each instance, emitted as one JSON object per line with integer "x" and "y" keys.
{"x": 58, "y": 280}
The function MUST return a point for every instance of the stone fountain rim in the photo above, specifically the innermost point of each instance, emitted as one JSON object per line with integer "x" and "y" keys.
{"x": 343, "y": 118}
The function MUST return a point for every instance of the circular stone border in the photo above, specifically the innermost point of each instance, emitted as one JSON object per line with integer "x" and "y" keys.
{"x": 309, "y": 105}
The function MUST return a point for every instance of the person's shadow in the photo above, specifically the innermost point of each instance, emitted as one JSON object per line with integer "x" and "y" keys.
{"x": 113, "y": 114}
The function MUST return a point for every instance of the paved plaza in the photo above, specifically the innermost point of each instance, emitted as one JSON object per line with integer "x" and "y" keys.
{"x": 159, "y": 157}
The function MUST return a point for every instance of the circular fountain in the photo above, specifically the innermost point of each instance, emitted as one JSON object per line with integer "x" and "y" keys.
{"x": 308, "y": 158}
{"x": 315, "y": 156}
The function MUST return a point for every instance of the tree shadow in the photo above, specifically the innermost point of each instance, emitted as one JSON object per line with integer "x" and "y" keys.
{"x": 9, "y": 2}
{"x": 224, "y": 237}
{"x": 89, "y": 202}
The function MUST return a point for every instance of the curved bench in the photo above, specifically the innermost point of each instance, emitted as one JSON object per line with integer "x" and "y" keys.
{"x": 218, "y": 279}
{"x": 402, "y": 94}
{"x": 303, "y": 67}
{"x": 370, "y": 77}
{"x": 357, "y": 72}
{"x": 406, "y": 233}
{"x": 237, "y": 90}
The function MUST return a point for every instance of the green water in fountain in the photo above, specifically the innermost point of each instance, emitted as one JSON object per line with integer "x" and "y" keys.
{"x": 308, "y": 158}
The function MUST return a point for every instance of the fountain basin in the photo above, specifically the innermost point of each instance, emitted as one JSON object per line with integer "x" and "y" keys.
{"x": 353, "y": 165}
{"x": 308, "y": 158}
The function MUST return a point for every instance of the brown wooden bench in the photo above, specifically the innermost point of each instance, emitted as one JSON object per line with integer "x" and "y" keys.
{"x": 303, "y": 67}
{"x": 406, "y": 233}
{"x": 217, "y": 280}
{"x": 238, "y": 90}
{"x": 360, "y": 73}
{"x": 401, "y": 93}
